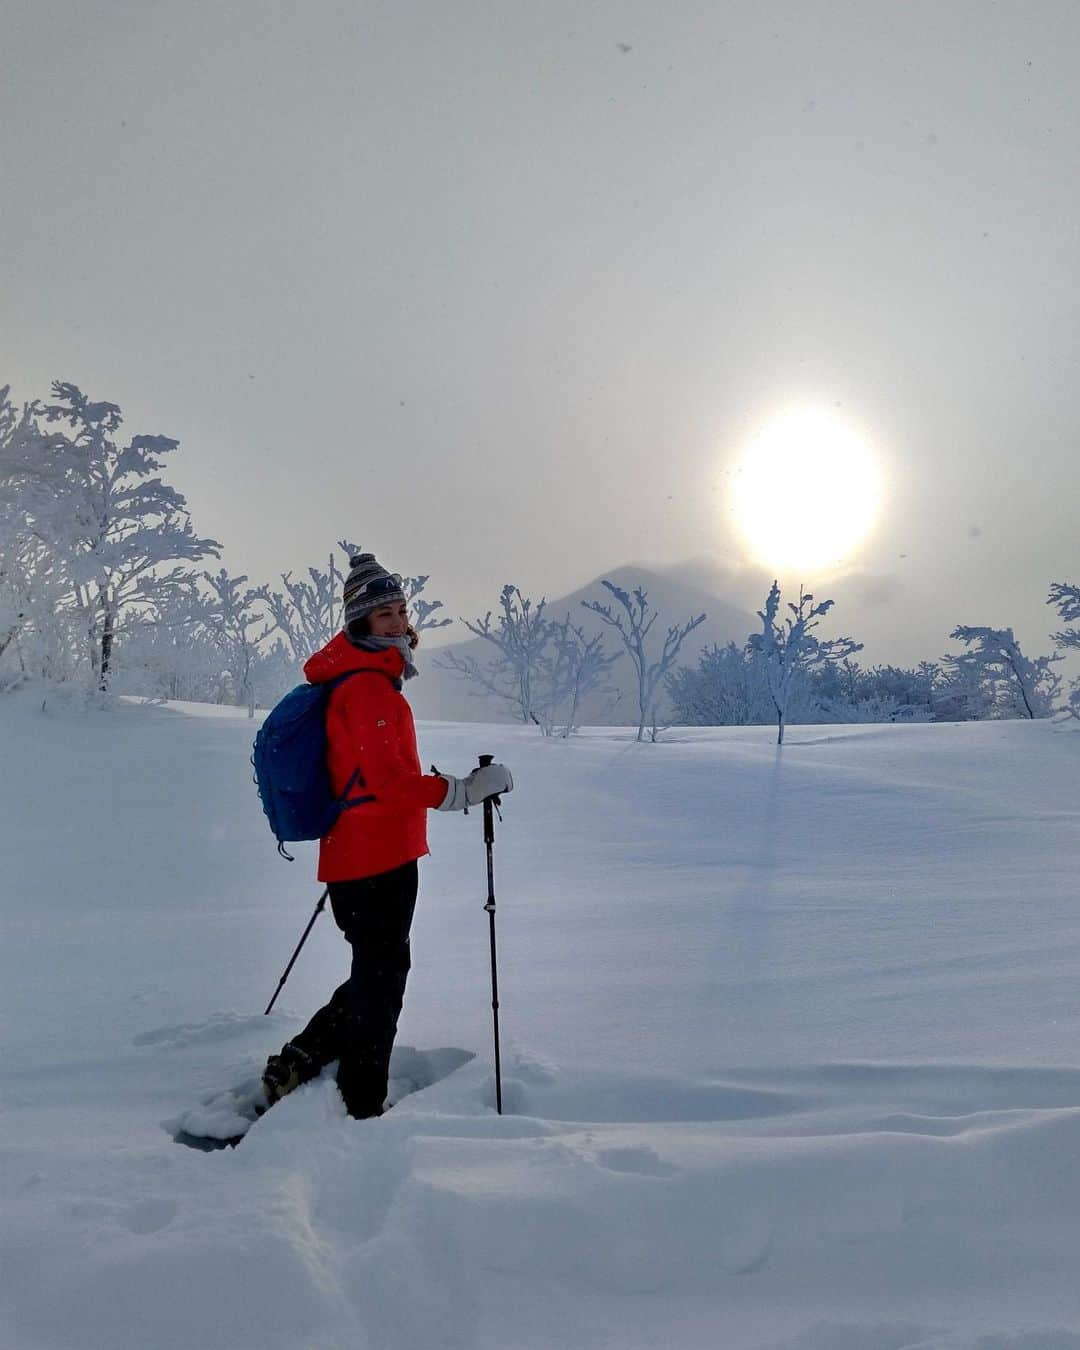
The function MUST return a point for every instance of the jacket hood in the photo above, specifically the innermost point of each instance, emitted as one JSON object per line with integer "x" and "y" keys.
{"x": 339, "y": 657}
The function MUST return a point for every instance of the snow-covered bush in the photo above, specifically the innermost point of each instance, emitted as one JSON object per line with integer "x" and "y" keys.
{"x": 728, "y": 687}
{"x": 843, "y": 691}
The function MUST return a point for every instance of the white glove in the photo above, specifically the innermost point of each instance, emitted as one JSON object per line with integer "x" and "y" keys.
{"x": 455, "y": 799}
{"x": 490, "y": 781}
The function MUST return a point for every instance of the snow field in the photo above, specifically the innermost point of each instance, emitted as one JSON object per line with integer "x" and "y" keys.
{"x": 790, "y": 1049}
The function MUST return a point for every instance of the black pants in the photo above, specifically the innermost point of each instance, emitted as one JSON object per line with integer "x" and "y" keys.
{"x": 357, "y": 1027}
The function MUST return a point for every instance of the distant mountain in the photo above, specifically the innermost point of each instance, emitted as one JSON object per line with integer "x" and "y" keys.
{"x": 676, "y": 593}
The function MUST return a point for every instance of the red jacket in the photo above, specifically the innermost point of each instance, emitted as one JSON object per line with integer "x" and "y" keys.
{"x": 369, "y": 725}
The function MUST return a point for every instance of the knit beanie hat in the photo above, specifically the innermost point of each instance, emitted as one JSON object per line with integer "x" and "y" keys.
{"x": 367, "y": 587}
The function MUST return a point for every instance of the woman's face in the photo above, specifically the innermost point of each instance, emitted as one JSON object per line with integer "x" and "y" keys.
{"x": 389, "y": 620}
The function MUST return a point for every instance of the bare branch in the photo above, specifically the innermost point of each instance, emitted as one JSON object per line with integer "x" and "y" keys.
{"x": 633, "y": 627}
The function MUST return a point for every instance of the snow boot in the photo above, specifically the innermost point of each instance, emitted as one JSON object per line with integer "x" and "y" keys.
{"x": 286, "y": 1071}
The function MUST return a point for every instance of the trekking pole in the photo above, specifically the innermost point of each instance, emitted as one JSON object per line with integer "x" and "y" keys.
{"x": 311, "y": 924}
{"x": 489, "y": 840}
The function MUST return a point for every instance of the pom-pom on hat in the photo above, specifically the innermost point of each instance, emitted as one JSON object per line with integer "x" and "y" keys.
{"x": 367, "y": 587}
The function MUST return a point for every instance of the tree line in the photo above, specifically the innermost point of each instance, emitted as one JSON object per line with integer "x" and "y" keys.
{"x": 541, "y": 669}
{"x": 98, "y": 583}
{"x": 99, "y": 589}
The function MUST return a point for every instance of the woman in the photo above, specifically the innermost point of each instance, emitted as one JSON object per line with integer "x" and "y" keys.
{"x": 369, "y": 858}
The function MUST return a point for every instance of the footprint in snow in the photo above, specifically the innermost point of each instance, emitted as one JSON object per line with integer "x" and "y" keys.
{"x": 150, "y": 1216}
{"x": 642, "y": 1161}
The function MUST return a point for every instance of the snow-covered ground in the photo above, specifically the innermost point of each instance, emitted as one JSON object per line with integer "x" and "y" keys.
{"x": 791, "y": 1049}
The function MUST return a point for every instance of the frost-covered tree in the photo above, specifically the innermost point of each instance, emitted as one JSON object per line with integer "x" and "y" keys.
{"x": 39, "y": 634}
{"x": 790, "y": 650}
{"x": 1021, "y": 686}
{"x": 633, "y": 624}
{"x": 35, "y": 628}
{"x": 421, "y": 609}
{"x": 307, "y": 614}
{"x": 1066, "y": 599}
{"x": 577, "y": 667}
{"x": 520, "y": 636}
{"x": 238, "y": 627}
{"x": 966, "y": 694}
{"x": 171, "y": 654}
{"x": 121, "y": 532}
{"x": 727, "y": 688}
{"x": 540, "y": 668}
{"x": 14, "y": 527}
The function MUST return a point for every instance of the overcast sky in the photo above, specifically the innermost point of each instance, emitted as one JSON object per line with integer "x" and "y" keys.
{"x": 499, "y": 290}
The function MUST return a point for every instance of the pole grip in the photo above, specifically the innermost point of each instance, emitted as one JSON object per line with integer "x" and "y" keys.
{"x": 489, "y": 814}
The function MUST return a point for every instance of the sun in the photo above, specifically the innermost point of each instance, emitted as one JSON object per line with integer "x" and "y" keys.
{"x": 807, "y": 492}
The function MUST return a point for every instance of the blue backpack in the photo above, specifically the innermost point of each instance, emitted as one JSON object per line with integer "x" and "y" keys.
{"x": 290, "y": 766}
